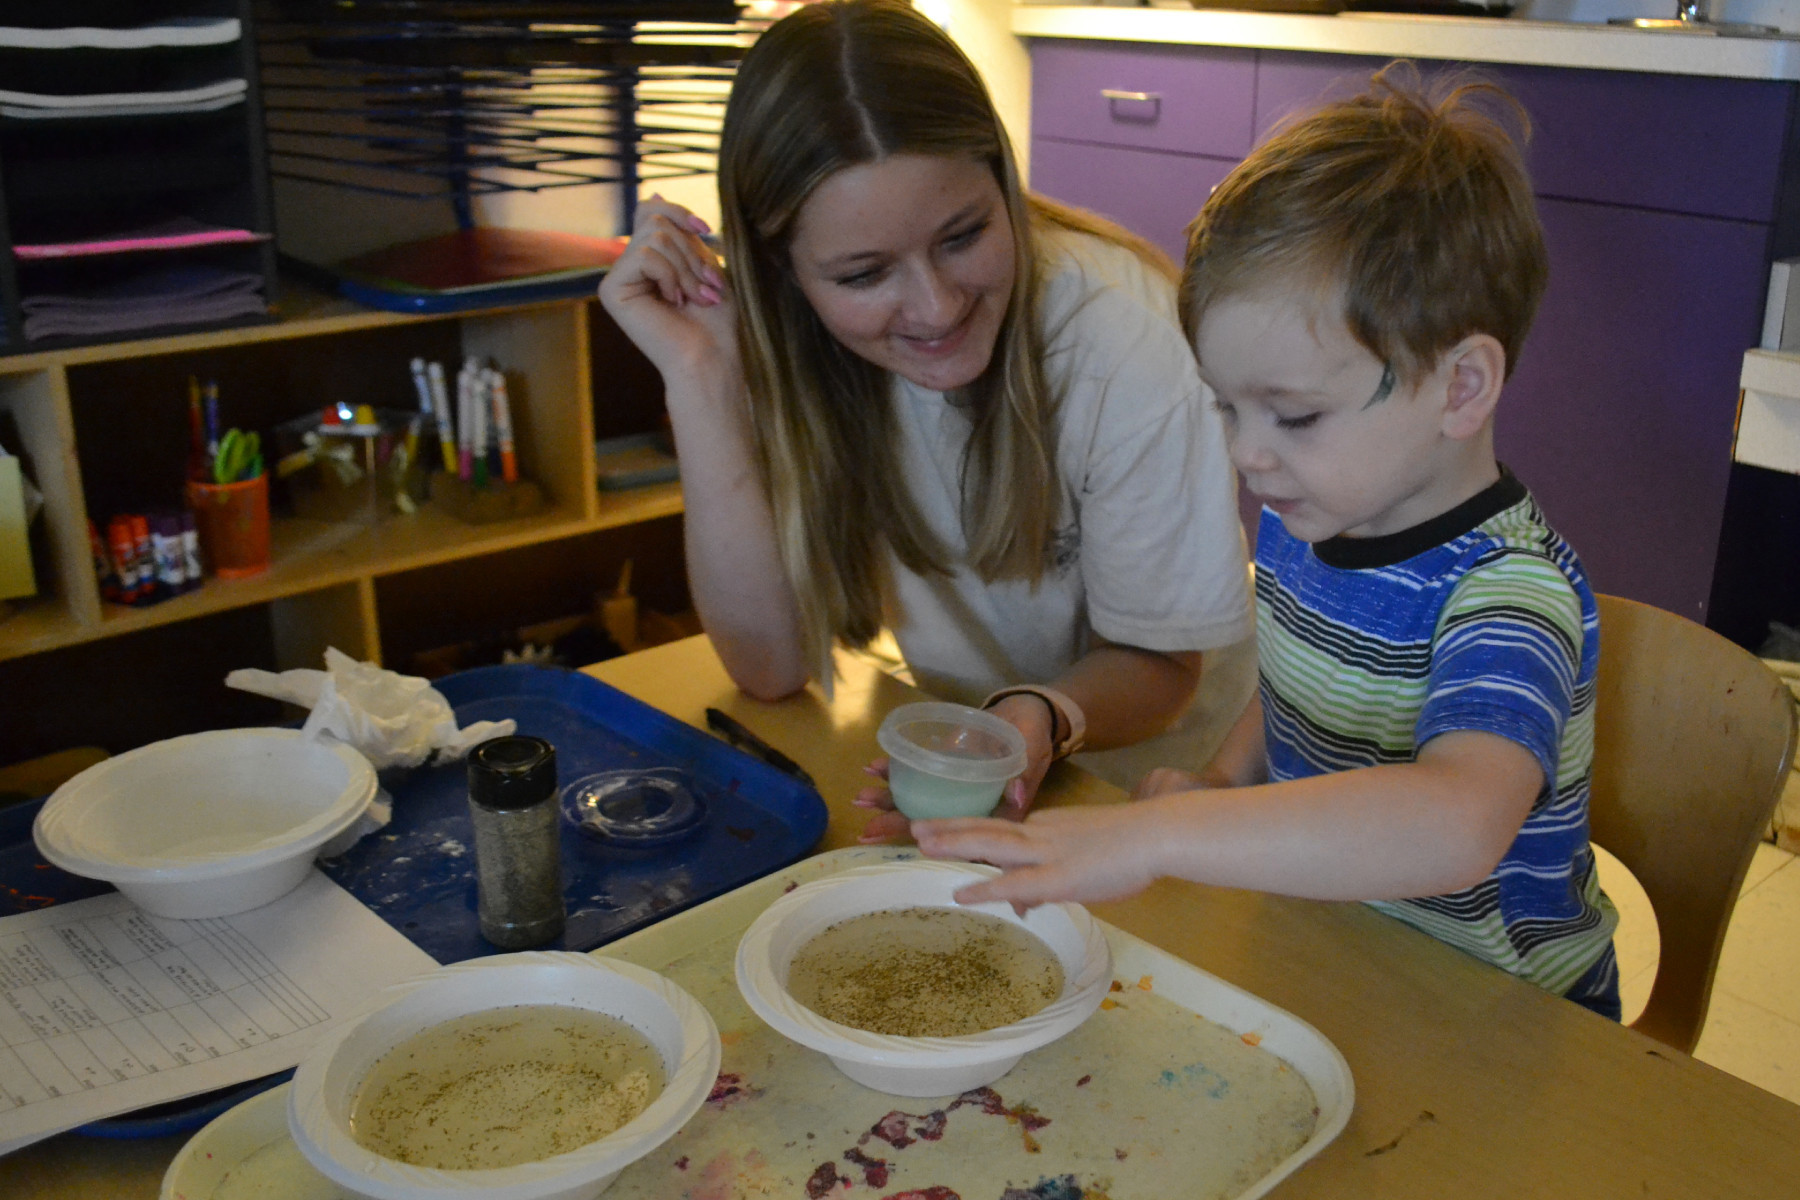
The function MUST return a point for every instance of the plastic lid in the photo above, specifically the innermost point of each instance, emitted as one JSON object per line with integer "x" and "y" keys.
{"x": 634, "y": 807}
{"x": 953, "y": 741}
{"x": 512, "y": 772}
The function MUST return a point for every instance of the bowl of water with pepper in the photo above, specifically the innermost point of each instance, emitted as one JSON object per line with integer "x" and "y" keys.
{"x": 910, "y": 993}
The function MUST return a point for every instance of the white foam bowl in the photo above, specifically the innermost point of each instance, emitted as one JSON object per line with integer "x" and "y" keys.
{"x": 908, "y": 1066}
{"x": 206, "y": 825}
{"x": 325, "y": 1086}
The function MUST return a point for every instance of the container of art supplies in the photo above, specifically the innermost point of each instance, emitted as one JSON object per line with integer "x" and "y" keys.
{"x": 497, "y": 501}
{"x": 518, "y": 849}
{"x": 358, "y": 469}
{"x": 948, "y": 760}
{"x": 233, "y": 523}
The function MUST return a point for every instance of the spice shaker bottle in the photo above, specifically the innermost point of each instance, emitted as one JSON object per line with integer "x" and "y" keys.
{"x": 518, "y": 855}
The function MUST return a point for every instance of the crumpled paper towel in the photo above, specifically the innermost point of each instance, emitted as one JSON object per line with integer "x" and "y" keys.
{"x": 395, "y": 720}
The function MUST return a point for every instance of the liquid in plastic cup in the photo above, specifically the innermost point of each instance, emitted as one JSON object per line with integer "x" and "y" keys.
{"x": 948, "y": 760}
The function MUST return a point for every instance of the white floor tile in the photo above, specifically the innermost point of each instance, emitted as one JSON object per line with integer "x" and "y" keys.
{"x": 1635, "y": 941}
{"x": 1634, "y": 993}
{"x": 1754, "y": 1044}
{"x": 1761, "y": 962}
{"x": 1769, "y": 859}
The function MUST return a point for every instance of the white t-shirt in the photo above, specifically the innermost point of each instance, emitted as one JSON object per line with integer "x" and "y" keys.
{"x": 1148, "y": 550}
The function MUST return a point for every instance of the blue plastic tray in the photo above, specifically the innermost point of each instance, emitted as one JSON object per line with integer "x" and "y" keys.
{"x": 418, "y": 874}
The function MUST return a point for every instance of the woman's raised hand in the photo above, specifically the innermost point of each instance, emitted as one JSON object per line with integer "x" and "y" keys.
{"x": 668, "y": 292}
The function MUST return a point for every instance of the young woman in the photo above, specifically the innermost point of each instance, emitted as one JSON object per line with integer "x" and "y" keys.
{"x": 925, "y": 400}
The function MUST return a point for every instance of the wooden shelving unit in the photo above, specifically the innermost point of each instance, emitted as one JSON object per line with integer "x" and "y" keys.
{"x": 321, "y": 587}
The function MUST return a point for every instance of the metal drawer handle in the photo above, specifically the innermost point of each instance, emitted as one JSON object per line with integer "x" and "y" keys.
{"x": 1116, "y": 94}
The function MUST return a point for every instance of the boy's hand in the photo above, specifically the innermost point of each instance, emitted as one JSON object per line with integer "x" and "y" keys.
{"x": 1164, "y": 780}
{"x": 1082, "y": 854}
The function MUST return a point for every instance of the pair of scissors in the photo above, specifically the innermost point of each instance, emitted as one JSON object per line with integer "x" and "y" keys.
{"x": 239, "y": 457}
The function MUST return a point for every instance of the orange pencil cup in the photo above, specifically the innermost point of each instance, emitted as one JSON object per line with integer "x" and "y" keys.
{"x": 233, "y": 522}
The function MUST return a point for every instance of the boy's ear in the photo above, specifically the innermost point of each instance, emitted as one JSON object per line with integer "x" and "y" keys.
{"x": 1477, "y": 371}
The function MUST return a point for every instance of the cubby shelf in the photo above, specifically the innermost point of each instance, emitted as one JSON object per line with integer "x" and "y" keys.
{"x": 321, "y": 583}
{"x": 133, "y": 171}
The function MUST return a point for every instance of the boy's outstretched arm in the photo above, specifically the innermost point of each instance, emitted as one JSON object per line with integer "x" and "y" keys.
{"x": 1424, "y": 828}
{"x": 1241, "y": 760}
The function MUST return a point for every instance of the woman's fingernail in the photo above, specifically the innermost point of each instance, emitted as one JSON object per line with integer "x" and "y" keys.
{"x": 714, "y": 277}
{"x": 698, "y": 225}
{"x": 870, "y": 770}
{"x": 709, "y": 293}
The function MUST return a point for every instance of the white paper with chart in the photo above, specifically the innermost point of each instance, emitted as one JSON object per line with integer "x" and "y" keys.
{"x": 105, "y": 1008}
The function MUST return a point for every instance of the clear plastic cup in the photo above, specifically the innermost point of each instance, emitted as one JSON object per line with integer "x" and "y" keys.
{"x": 948, "y": 760}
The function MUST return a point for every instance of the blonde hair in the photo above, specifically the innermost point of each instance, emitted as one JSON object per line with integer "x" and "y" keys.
{"x": 838, "y": 84}
{"x": 1413, "y": 200}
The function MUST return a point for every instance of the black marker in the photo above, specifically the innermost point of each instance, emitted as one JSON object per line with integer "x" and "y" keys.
{"x": 735, "y": 733}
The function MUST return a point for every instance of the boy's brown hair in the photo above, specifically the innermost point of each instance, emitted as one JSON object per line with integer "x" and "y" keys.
{"x": 1418, "y": 206}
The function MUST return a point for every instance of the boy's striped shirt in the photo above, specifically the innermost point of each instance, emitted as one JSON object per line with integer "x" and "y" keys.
{"x": 1480, "y": 619}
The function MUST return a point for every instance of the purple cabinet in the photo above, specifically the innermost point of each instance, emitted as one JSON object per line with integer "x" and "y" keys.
{"x": 1620, "y": 414}
{"x": 1674, "y": 142}
{"x": 1663, "y": 201}
{"x": 1152, "y": 194}
{"x": 1191, "y": 100}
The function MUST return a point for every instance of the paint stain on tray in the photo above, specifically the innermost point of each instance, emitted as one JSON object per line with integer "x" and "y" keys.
{"x": 901, "y": 1129}
{"x": 726, "y": 1177}
{"x": 729, "y": 1089}
{"x": 1196, "y": 1075}
{"x": 1063, "y": 1187}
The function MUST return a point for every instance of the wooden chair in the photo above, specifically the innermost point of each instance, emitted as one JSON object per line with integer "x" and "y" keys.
{"x": 1693, "y": 740}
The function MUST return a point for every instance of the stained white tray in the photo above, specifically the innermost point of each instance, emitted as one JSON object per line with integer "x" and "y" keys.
{"x": 1146, "y": 1101}
{"x": 1143, "y": 1102}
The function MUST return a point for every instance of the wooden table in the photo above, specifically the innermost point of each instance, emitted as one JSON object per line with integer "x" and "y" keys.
{"x": 1469, "y": 1084}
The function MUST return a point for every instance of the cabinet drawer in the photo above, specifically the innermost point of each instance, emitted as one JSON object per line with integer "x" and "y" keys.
{"x": 1150, "y": 193}
{"x": 1678, "y": 143}
{"x": 1196, "y": 100}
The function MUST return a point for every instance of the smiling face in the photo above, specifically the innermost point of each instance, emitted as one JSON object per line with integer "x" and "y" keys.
{"x": 1325, "y": 435}
{"x": 909, "y": 262}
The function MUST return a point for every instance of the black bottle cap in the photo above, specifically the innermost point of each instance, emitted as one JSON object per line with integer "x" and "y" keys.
{"x": 512, "y": 772}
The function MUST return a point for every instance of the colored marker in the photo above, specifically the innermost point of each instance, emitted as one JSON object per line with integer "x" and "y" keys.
{"x": 421, "y": 385}
{"x": 478, "y": 420}
{"x": 509, "y": 463}
{"x": 465, "y": 428}
{"x": 197, "y": 459}
{"x": 212, "y": 421}
{"x": 440, "y": 406}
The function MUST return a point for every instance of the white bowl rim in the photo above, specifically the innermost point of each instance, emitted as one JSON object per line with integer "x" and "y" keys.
{"x": 202, "y": 1140}
{"x": 50, "y": 829}
{"x": 1083, "y": 990}
{"x": 948, "y": 766}
{"x": 335, "y": 1154}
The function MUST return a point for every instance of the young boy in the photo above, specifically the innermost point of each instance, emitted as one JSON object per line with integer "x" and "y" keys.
{"x": 1357, "y": 291}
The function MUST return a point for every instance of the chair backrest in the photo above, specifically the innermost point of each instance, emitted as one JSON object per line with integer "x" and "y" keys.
{"x": 1693, "y": 740}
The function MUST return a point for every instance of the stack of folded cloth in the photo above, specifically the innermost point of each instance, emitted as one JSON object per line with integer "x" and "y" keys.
{"x": 45, "y": 106}
{"x": 184, "y": 295}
